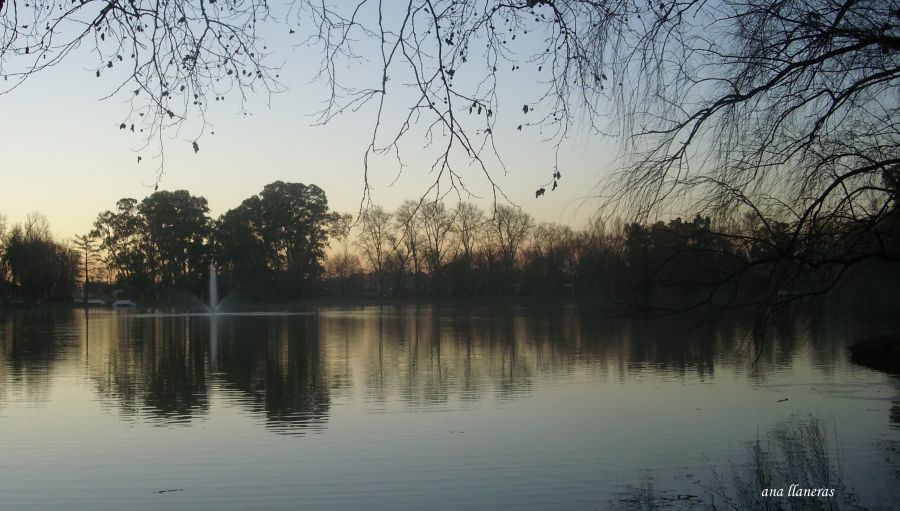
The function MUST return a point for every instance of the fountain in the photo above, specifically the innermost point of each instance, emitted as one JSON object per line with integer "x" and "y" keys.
{"x": 213, "y": 305}
{"x": 213, "y": 289}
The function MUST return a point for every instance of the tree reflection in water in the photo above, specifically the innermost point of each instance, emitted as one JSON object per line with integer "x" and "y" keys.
{"x": 278, "y": 364}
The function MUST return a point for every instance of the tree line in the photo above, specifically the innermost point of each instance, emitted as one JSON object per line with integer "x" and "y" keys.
{"x": 432, "y": 250}
{"x": 163, "y": 245}
{"x": 274, "y": 241}
{"x": 275, "y": 244}
{"x": 788, "y": 112}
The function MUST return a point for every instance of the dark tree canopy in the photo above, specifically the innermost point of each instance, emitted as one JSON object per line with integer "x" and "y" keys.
{"x": 178, "y": 230}
{"x": 280, "y": 235}
{"x": 274, "y": 242}
{"x": 162, "y": 241}
{"x": 39, "y": 267}
{"x": 121, "y": 235}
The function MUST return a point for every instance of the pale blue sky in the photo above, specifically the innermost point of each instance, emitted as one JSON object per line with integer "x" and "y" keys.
{"x": 64, "y": 156}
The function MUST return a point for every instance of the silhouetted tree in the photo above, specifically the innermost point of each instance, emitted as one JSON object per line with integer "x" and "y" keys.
{"x": 41, "y": 268}
{"x": 3, "y": 275}
{"x": 87, "y": 247}
{"x": 160, "y": 243}
{"x": 285, "y": 227}
{"x": 123, "y": 240}
{"x": 240, "y": 251}
{"x": 343, "y": 268}
{"x": 467, "y": 235}
{"x": 436, "y": 224}
{"x": 550, "y": 259}
{"x": 177, "y": 236}
{"x": 408, "y": 245}
{"x": 508, "y": 231}
{"x": 468, "y": 222}
{"x": 375, "y": 242}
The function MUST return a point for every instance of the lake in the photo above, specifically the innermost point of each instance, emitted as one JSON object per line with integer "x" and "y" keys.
{"x": 465, "y": 406}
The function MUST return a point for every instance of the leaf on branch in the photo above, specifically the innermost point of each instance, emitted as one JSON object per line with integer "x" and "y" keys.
{"x": 525, "y": 109}
{"x": 196, "y": 147}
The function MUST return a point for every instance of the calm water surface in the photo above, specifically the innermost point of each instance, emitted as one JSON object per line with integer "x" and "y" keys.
{"x": 436, "y": 407}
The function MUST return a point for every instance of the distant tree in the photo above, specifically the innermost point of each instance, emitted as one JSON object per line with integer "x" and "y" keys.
{"x": 408, "y": 243}
{"x": 285, "y": 227}
{"x": 375, "y": 241}
{"x": 550, "y": 259}
{"x": 37, "y": 227}
{"x": 468, "y": 221}
{"x": 681, "y": 265}
{"x": 509, "y": 230}
{"x": 239, "y": 248}
{"x": 159, "y": 243}
{"x": 464, "y": 274}
{"x": 339, "y": 229}
{"x": 600, "y": 260}
{"x": 3, "y": 275}
{"x": 638, "y": 249}
{"x": 437, "y": 224}
{"x": 177, "y": 235}
{"x": 122, "y": 237}
{"x": 342, "y": 267}
{"x": 87, "y": 247}
{"x": 42, "y": 268}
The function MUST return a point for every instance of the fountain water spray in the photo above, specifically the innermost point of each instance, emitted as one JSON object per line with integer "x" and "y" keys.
{"x": 213, "y": 289}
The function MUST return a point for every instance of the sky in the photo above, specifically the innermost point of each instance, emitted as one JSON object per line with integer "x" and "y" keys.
{"x": 62, "y": 154}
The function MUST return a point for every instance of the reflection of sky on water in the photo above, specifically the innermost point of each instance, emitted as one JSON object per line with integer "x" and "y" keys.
{"x": 495, "y": 397}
